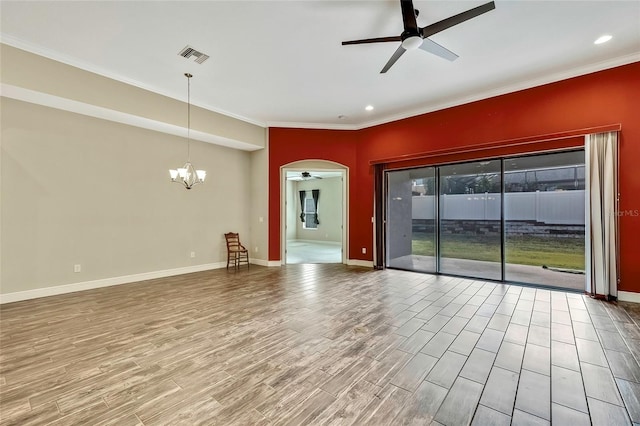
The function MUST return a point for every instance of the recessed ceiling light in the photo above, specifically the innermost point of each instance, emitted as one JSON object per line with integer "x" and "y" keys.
{"x": 369, "y": 107}
{"x": 603, "y": 39}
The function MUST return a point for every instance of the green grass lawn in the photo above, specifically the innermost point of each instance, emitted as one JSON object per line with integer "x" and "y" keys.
{"x": 537, "y": 251}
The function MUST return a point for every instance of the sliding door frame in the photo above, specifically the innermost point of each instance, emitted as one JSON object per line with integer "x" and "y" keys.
{"x": 503, "y": 229}
{"x": 383, "y": 172}
{"x": 437, "y": 218}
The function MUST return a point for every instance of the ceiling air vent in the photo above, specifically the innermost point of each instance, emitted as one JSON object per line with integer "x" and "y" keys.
{"x": 189, "y": 51}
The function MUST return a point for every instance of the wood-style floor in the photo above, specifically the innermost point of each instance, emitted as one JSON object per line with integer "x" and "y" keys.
{"x": 319, "y": 344}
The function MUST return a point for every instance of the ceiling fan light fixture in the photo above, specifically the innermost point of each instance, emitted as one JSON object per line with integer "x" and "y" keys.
{"x": 414, "y": 37}
{"x": 412, "y": 43}
{"x": 603, "y": 39}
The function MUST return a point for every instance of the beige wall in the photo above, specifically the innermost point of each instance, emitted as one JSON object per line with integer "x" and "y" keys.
{"x": 259, "y": 207}
{"x": 329, "y": 209}
{"x": 80, "y": 190}
{"x": 84, "y": 179}
{"x": 292, "y": 214}
{"x": 47, "y": 77}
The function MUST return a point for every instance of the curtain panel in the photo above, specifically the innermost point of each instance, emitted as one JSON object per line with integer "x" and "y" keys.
{"x": 303, "y": 195}
{"x": 315, "y": 193}
{"x": 601, "y": 161}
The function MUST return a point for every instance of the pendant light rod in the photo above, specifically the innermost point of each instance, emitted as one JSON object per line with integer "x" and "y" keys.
{"x": 188, "y": 115}
{"x": 187, "y": 174}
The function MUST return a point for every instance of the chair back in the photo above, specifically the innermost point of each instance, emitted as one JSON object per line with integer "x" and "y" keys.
{"x": 233, "y": 241}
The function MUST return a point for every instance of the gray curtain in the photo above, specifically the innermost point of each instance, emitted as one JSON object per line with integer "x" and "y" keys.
{"x": 316, "y": 196}
{"x": 303, "y": 195}
{"x": 601, "y": 151}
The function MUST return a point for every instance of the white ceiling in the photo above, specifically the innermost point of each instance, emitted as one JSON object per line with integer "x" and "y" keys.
{"x": 281, "y": 63}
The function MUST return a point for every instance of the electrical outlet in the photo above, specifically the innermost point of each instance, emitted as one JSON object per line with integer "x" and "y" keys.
{"x": 77, "y": 268}
{"x": 193, "y": 254}
{"x": 364, "y": 250}
{"x": 261, "y": 219}
{"x": 256, "y": 249}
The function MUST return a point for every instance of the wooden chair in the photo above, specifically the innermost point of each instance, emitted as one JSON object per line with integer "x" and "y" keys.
{"x": 237, "y": 254}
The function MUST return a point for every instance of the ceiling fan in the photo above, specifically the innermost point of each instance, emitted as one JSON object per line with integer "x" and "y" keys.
{"x": 305, "y": 176}
{"x": 414, "y": 37}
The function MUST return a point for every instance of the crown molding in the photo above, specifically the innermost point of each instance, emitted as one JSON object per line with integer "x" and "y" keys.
{"x": 503, "y": 90}
{"x": 310, "y": 125}
{"x": 539, "y": 81}
{"x": 52, "y": 101}
{"x": 65, "y": 59}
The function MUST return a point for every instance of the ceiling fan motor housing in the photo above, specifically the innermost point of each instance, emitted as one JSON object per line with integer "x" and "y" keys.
{"x": 411, "y": 42}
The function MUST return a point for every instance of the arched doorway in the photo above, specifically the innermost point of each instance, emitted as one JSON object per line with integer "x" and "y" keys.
{"x": 313, "y": 212}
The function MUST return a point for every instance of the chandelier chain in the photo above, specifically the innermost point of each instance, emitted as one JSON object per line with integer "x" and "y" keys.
{"x": 188, "y": 116}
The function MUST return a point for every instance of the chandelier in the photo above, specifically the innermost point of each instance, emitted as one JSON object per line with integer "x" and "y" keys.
{"x": 187, "y": 175}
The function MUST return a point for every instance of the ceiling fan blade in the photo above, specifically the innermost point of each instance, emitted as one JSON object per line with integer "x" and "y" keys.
{"x": 409, "y": 16}
{"x": 396, "y": 55}
{"x": 432, "y": 29}
{"x": 372, "y": 40}
{"x": 431, "y": 46}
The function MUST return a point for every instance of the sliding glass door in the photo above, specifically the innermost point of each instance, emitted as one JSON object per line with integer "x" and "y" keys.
{"x": 411, "y": 220}
{"x": 517, "y": 219}
{"x": 470, "y": 219}
{"x": 544, "y": 216}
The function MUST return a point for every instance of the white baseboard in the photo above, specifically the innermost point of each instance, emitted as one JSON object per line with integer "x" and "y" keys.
{"x": 332, "y": 243}
{"x": 358, "y": 262}
{"x": 352, "y": 262}
{"x": 629, "y": 296}
{"x": 263, "y": 262}
{"x": 105, "y": 282}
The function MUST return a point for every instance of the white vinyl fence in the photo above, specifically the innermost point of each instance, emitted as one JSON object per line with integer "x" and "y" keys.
{"x": 558, "y": 207}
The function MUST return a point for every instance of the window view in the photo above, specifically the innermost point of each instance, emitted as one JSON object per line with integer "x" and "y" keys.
{"x": 470, "y": 219}
{"x": 309, "y": 212}
{"x": 411, "y": 226}
{"x": 451, "y": 219}
{"x": 544, "y": 219}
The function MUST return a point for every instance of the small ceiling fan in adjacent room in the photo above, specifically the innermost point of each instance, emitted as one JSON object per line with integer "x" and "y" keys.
{"x": 303, "y": 176}
{"x": 414, "y": 37}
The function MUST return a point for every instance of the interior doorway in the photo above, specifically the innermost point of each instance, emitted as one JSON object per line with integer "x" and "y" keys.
{"x": 314, "y": 212}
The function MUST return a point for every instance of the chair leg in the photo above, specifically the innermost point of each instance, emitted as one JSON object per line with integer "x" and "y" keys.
{"x": 232, "y": 258}
{"x": 237, "y": 259}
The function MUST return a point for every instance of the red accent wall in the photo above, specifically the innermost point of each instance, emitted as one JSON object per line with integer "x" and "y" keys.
{"x": 603, "y": 98}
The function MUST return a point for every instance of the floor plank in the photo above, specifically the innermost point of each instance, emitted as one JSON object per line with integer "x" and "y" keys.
{"x": 500, "y": 390}
{"x": 460, "y": 404}
{"x": 318, "y": 344}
